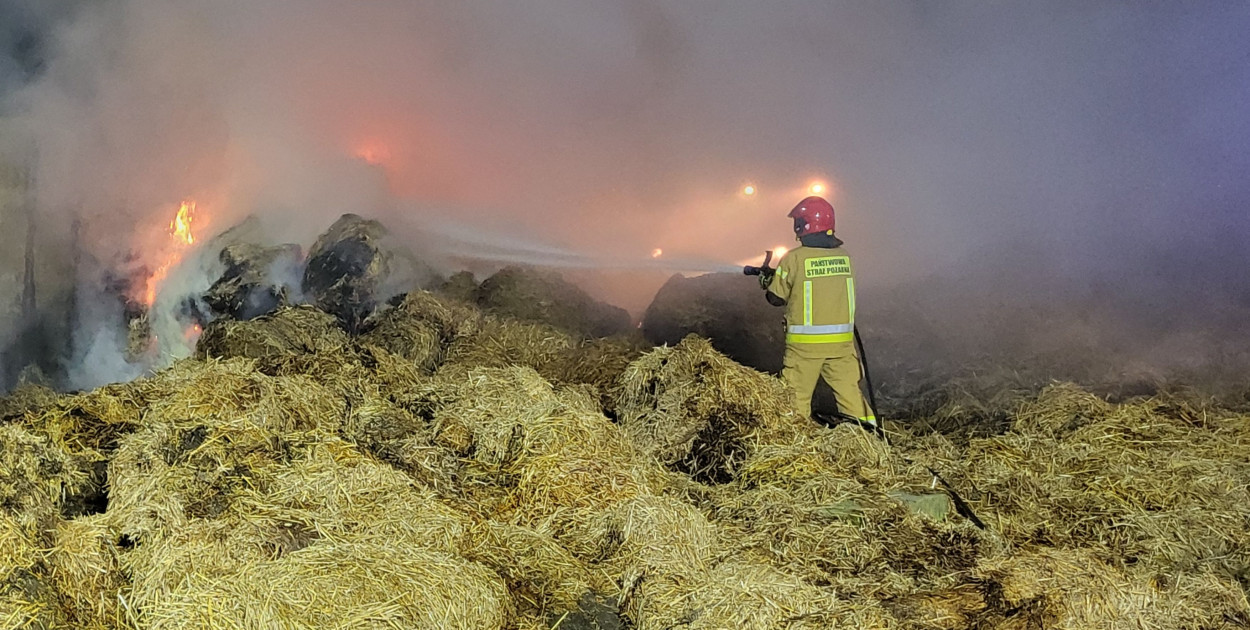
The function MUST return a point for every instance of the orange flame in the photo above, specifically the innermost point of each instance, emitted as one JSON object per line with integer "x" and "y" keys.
{"x": 180, "y": 228}
{"x": 181, "y": 225}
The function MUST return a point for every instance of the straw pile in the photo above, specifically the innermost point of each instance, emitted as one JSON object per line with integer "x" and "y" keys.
{"x": 451, "y": 468}
{"x": 25, "y": 399}
{"x": 275, "y": 339}
{"x": 699, "y": 412}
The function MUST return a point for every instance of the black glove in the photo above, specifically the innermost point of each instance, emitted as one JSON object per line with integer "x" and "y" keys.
{"x": 766, "y": 279}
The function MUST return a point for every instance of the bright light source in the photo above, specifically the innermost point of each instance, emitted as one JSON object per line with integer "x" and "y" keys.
{"x": 657, "y": 252}
{"x": 817, "y": 188}
{"x": 748, "y": 190}
{"x": 780, "y": 251}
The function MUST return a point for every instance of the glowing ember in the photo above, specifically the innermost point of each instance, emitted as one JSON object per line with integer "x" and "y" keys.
{"x": 749, "y": 190}
{"x": 181, "y": 225}
{"x": 657, "y": 253}
{"x": 192, "y": 334}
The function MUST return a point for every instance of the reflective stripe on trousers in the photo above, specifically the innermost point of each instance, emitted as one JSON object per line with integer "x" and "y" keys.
{"x": 831, "y": 333}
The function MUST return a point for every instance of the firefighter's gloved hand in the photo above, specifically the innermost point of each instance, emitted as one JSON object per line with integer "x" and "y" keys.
{"x": 765, "y": 280}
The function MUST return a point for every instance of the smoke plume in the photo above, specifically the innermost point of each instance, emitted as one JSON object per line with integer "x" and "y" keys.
{"x": 1081, "y": 161}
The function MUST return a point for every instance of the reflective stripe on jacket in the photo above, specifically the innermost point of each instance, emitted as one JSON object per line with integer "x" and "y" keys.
{"x": 818, "y": 285}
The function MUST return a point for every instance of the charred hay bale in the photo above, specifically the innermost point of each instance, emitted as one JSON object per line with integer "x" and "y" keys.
{"x": 728, "y": 310}
{"x": 699, "y": 412}
{"x": 459, "y": 287}
{"x": 346, "y": 268}
{"x": 547, "y": 298}
{"x": 275, "y": 339}
{"x": 257, "y": 279}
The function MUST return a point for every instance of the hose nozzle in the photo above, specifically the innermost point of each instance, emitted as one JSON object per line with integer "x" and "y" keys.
{"x": 763, "y": 269}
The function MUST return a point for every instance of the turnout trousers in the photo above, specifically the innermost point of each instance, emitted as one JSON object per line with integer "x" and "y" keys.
{"x": 838, "y": 364}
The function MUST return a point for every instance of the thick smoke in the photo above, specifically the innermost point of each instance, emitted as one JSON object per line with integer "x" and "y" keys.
{"x": 1083, "y": 162}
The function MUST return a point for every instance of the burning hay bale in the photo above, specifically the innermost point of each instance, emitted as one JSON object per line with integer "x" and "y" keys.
{"x": 698, "y": 411}
{"x": 346, "y": 269}
{"x": 273, "y": 340}
{"x": 547, "y": 298}
{"x": 255, "y": 281}
{"x": 728, "y": 310}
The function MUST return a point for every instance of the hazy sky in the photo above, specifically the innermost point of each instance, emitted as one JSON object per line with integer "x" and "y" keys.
{"x": 1070, "y": 138}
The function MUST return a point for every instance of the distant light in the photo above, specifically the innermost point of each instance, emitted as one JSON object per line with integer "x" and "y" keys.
{"x": 749, "y": 190}
{"x": 374, "y": 153}
{"x": 780, "y": 251}
{"x": 657, "y": 253}
{"x": 817, "y": 188}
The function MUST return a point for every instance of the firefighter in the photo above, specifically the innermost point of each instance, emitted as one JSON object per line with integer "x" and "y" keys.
{"x": 816, "y": 284}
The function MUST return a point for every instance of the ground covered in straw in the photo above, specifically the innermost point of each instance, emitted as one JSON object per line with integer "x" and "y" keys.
{"x": 449, "y": 467}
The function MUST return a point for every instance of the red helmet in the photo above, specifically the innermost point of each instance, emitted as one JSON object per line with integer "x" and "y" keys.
{"x": 812, "y": 216}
